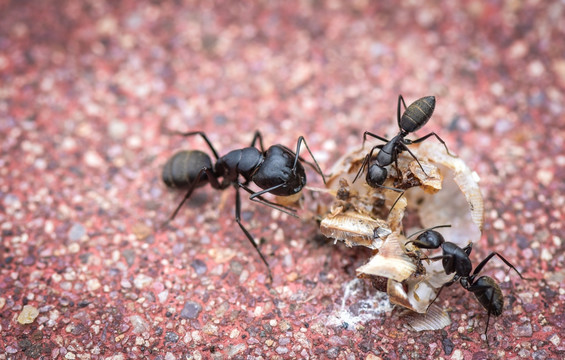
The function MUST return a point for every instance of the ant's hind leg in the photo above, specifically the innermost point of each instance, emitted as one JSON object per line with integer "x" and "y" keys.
{"x": 437, "y": 137}
{"x": 415, "y": 158}
{"x": 211, "y": 179}
{"x": 202, "y": 134}
{"x": 485, "y": 260}
{"x": 400, "y": 100}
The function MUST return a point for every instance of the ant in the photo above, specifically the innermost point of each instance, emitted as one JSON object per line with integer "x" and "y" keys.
{"x": 278, "y": 171}
{"x": 414, "y": 117}
{"x": 456, "y": 260}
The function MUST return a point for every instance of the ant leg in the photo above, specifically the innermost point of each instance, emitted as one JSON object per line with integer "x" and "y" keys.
{"x": 372, "y": 135}
{"x": 427, "y": 136}
{"x": 202, "y": 134}
{"x": 256, "y": 136}
{"x": 256, "y": 197}
{"x": 474, "y": 288}
{"x": 485, "y": 260}
{"x": 400, "y": 99}
{"x": 211, "y": 179}
{"x": 238, "y": 220}
{"x": 366, "y": 161}
{"x": 447, "y": 284}
{"x": 415, "y": 158}
{"x": 468, "y": 248}
{"x": 488, "y": 318}
{"x": 313, "y": 166}
{"x": 297, "y": 155}
{"x": 398, "y": 198}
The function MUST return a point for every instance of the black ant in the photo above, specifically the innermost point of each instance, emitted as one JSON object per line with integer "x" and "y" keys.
{"x": 278, "y": 171}
{"x": 456, "y": 260}
{"x": 414, "y": 117}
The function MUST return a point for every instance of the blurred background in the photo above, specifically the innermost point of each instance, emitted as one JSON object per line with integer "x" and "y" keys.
{"x": 88, "y": 90}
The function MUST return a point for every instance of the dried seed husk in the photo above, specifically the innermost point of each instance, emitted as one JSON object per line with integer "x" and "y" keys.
{"x": 354, "y": 228}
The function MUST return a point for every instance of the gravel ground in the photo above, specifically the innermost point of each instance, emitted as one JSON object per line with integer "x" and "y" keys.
{"x": 87, "y": 90}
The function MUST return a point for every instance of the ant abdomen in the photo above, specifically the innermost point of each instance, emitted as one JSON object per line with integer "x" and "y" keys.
{"x": 417, "y": 114}
{"x": 489, "y": 294}
{"x": 181, "y": 170}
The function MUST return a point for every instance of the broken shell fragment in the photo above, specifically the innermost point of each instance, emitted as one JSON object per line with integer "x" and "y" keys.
{"x": 390, "y": 262}
{"x": 436, "y": 318}
{"x": 438, "y": 189}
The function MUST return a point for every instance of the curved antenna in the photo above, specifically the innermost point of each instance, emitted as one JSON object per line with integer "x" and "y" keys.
{"x": 434, "y": 227}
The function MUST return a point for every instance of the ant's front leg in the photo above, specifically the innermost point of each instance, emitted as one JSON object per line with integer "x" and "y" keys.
{"x": 249, "y": 237}
{"x": 317, "y": 168}
{"x": 256, "y": 197}
{"x": 366, "y": 161}
{"x": 256, "y": 136}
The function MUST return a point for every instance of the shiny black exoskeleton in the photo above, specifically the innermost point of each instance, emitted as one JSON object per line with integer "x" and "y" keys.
{"x": 456, "y": 260}
{"x": 278, "y": 171}
{"x": 414, "y": 117}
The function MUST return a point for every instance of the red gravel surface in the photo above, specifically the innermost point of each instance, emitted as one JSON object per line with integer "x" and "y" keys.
{"x": 87, "y": 87}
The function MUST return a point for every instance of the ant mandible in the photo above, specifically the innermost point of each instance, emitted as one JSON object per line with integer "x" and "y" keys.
{"x": 278, "y": 171}
{"x": 456, "y": 260}
{"x": 414, "y": 117}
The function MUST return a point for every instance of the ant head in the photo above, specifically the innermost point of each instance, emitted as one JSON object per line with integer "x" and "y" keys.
{"x": 428, "y": 238}
{"x": 376, "y": 175}
{"x": 279, "y": 173}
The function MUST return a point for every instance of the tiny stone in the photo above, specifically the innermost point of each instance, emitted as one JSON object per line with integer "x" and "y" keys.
{"x": 163, "y": 295}
{"x": 447, "y": 346}
{"x": 28, "y": 314}
{"x": 129, "y": 255}
{"x": 523, "y": 330}
{"x": 236, "y": 267}
{"x": 93, "y": 284}
{"x": 210, "y": 329}
{"x": 199, "y": 266}
{"x": 76, "y": 232}
{"x": 29, "y": 260}
{"x": 191, "y": 310}
{"x": 333, "y": 352}
{"x": 142, "y": 281}
{"x": 139, "y": 324}
{"x": 117, "y": 129}
{"x": 236, "y": 349}
{"x": 171, "y": 337}
{"x": 93, "y": 159}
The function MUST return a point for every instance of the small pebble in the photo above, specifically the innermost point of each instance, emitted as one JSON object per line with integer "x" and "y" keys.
{"x": 191, "y": 310}
{"x": 28, "y": 314}
{"x": 76, "y": 232}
